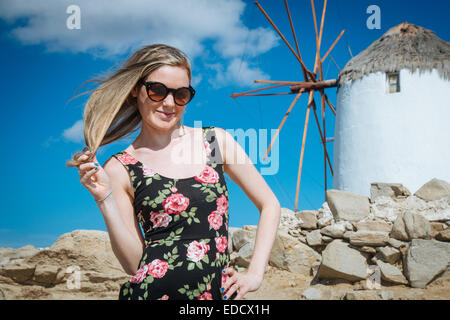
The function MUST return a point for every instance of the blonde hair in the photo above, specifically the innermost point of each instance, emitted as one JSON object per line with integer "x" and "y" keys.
{"x": 111, "y": 112}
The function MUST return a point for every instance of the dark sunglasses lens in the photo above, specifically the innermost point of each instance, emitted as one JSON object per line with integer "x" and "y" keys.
{"x": 183, "y": 96}
{"x": 157, "y": 91}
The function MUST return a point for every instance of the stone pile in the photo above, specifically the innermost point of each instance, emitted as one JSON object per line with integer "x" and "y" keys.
{"x": 79, "y": 265}
{"x": 403, "y": 237}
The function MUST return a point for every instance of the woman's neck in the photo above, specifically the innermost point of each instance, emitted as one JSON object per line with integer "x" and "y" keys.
{"x": 156, "y": 139}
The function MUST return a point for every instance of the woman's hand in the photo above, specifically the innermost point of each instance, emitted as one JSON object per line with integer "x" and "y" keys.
{"x": 240, "y": 283}
{"x": 92, "y": 176}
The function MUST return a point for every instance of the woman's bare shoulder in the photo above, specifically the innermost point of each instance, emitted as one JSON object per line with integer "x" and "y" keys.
{"x": 118, "y": 174}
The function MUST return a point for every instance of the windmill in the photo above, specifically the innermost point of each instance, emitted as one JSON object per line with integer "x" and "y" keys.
{"x": 312, "y": 82}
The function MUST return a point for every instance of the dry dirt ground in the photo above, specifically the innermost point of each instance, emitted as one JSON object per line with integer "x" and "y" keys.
{"x": 283, "y": 285}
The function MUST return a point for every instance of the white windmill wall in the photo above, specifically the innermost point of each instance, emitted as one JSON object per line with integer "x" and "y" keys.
{"x": 399, "y": 137}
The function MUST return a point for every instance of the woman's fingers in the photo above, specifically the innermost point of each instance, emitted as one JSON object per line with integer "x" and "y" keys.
{"x": 231, "y": 290}
{"x": 88, "y": 174}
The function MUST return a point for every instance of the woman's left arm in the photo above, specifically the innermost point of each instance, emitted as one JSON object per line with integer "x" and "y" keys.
{"x": 241, "y": 170}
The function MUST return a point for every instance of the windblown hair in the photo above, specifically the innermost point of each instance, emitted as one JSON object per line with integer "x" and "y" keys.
{"x": 111, "y": 111}
{"x": 403, "y": 46}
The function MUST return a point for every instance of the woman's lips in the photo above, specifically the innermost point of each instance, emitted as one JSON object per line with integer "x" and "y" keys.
{"x": 166, "y": 114}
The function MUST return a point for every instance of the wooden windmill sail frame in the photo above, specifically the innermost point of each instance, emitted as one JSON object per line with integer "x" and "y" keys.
{"x": 310, "y": 84}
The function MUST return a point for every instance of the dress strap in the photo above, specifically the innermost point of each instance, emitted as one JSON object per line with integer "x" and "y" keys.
{"x": 131, "y": 164}
{"x": 212, "y": 145}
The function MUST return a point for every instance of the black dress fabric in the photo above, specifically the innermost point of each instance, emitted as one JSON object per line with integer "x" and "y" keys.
{"x": 185, "y": 223}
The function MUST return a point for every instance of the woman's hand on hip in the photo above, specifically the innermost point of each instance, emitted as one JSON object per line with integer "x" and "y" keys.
{"x": 92, "y": 176}
{"x": 241, "y": 283}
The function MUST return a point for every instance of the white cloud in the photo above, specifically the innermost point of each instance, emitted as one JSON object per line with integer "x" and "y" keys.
{"x": 111, "y": 28}
{"x": 75, "y": 133}
{"x": 237, "y": 72}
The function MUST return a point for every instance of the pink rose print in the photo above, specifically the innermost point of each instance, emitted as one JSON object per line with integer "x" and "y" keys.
{"x": 215, "y": 220}
{"x": 175, "y": 203}
{"x": 222, "y": 204}
{"x": 157, "y": 268}
{"x": 221, "y": 244}
{"x": 173, "y": 189}
{"x": 208, "y": 175}
{"x": 207, "y": 148}
{"x": 127, "y": 159}
{"x": 205, "y": 296}
{"x": 148, "y": 172}
{"x": 208, "y": 286}
{"x": 140, "y": 275}
{"x": 197, "y": 250}
{"x": 164, "y": 297}
{"x": 160, "y": 219}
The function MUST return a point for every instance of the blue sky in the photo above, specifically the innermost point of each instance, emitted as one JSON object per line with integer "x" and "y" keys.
{"x": 230, "y": 44}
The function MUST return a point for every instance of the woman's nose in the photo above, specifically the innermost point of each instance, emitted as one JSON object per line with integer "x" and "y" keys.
{"x": 170, "y": 99}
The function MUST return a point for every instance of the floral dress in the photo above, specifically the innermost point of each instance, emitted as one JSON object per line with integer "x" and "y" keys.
{"x": 185, "y": 222}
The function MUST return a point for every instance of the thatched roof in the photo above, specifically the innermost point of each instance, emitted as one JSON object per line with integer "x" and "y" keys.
{"x": 403, "y": 46}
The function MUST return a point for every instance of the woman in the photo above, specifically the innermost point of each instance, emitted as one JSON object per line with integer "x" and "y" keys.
{"x": 182, "y": 208}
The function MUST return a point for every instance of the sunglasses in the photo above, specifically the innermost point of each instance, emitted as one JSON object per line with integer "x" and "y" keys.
{"x": 157, "y": 91}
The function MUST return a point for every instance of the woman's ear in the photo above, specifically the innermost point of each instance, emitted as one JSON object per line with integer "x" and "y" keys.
{"x": 134, "y": 92}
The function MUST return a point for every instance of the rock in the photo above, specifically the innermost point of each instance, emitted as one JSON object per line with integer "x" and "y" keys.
{"x": 386, "y": 295}
{"x": 392, "y": 190}
{"x": 388, "y": 209}
{"x": 396, "y": 243}
{"x": 426, "y": 260}
{"x": 347, "y": 205}
{"x": 325, "y": 217}
{"x": 20, "y": 273}
{"x": 231, "y": 230}
{"x": 342, "y": 262}
{"x": 336, "y": 230}
{"x": 10, "y": 255}
{"x": 444, "y": 235}
{"x": 409, "y": 226}
{"x": 298, "y": 257}
{"x": 389, "y": 254}
{"x": 241, "y": 237}
{"x": 347, "y": 235}
{"x": 244, "y": 255}
{"x": 314, "y": 238}
{"x": 362, "y": 295}
{"x": 312, "y": 294}
{"x": 437, "y": 227}
{"x": 44, "y": 275}
{"x": 434, "y": 189}
{"x": 369, "y": 238}
{"x": 390, "y": 273}
{"x": 288, "y": 220}
{"x": 327, "y": 239}
{"x": 367, "y": 249}
{"x": 308, "y": 218}
{"x": 373, "y": 225}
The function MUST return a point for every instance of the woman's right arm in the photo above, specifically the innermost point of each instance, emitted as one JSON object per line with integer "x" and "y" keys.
{"x": 117, "y": 209}
{"x": 124, "y": 232}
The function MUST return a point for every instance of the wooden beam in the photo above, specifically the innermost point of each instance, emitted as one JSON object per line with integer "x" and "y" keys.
{"x": 282, "y": 37}
{"x": 305, "y": 128}
{"x": 282, "y": 123}
{"x": 332, "y": 46}
{"x": 314, "y": 85}
{"x": 322, "y": 136}
{"x": 295, "y": 39}
{"x": 234, "y": 95}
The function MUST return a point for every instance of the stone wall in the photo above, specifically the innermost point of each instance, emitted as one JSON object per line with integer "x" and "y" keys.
{"x": 403, "y": 237}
